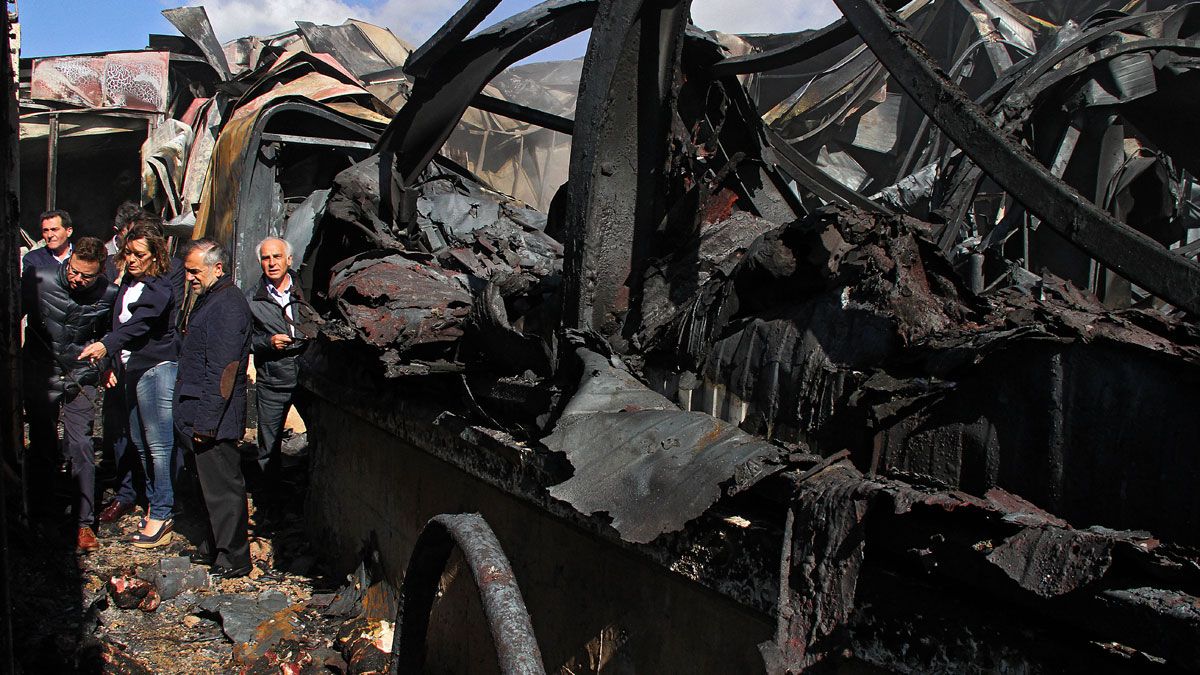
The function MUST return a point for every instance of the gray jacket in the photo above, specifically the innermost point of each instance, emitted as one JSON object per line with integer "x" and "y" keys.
{"x": 276, "y": 368}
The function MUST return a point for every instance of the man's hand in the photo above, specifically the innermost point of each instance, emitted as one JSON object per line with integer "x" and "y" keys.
{"x": 108, "y": 379}
{"x": 93, "y": 351}
{"x": 280, "y": 341}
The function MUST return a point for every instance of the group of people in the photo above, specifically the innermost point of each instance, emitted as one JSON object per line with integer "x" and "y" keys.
{"x": 112, "y": 315}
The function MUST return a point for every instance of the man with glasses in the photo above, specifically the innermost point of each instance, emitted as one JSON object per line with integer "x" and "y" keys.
{"x": 68, "y": 307}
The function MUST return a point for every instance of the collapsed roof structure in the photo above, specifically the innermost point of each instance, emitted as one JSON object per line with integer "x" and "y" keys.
{"x": 915, "y": 329}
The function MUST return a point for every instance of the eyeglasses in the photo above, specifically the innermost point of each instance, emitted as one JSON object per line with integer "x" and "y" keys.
{"x": 72, "y": 271}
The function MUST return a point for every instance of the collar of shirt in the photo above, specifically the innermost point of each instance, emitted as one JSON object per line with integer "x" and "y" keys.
{"x": 281, "y": 296}
{"x": 70, "y": 250}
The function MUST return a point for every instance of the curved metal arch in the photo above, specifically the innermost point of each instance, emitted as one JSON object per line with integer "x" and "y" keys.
{"x": 517, "y": 651}
{"x": 241, "y": 238}
{"x": 444, "y": 88}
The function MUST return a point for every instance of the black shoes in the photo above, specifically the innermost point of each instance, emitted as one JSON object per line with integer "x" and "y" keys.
{"x": 223, "y": 572}
{"x": 199, "y": 558}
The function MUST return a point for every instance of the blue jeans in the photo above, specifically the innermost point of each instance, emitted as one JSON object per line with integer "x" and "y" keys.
{"x": 149, "y": 395}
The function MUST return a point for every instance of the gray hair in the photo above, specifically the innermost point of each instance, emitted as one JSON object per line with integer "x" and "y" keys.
{"x": 213, "y": 251}
{"x": 287, "y": 246}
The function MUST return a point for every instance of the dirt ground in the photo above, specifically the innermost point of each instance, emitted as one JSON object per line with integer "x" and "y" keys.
{"x": 66, "y": 617}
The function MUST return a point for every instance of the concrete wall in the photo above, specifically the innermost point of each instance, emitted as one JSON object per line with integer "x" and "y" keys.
{"x": 595, "y": 607}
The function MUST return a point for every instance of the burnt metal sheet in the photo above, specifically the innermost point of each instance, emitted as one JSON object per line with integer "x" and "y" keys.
{"x": 194, "y": 24}
{"x": 206, "y": 128}
{"x": 641, "y": 460}
{"x": 439, "y": 97}
{"x": 134, "y": 80}
{"x": 236, "y": 152}
{"x": 349, "y": 45}
{"x": 998, "y": 546}
{"x": 164, "y": 158}
{"x": 399, "y": 302}
{"x": 653, "y": 471}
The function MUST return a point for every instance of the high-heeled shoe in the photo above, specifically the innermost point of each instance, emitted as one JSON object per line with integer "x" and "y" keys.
{"x": 160, "y": 538}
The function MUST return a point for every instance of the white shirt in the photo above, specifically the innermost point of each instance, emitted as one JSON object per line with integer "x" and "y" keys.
{"x": 283, "y": 299}
{"x": 131, "y": 296}
{"x": 66, "y": 254}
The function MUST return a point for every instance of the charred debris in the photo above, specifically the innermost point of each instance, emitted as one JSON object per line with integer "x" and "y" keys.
{"x": 884, "y": 330}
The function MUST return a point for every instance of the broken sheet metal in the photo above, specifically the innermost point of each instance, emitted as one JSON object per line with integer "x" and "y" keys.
{"x": 240, "y": 185}
{"x": 997, "y": 545}
{"x": 133, "y": 80}
{"x": 641, "y": 460}
{"x": 491, "y": 247}
{"x": 164, "y": 157}
{"x": 848, "y": 324}
{"x": 193, "y": 22}
{"x": 401, "y": 302}
{"x": 1111, "y": 82}
{"x": 1012, "y": 440}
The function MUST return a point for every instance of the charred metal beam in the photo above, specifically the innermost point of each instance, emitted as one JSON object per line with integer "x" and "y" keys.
{"x": 523, "y": 113}
{"x": 803, "y": 171}
{"x": 622, "y": 118}
{"x": 1128, "y": 252}
{"x": 445, "y": 87}
{"x": 517, "y": 651}
{"x": 423, "y": 61}
{"x": 52, "y": 165}
{"x": 318, "y": 140}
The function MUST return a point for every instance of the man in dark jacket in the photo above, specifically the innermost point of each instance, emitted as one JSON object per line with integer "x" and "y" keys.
{"x": 69, "y": 307}
{"x": 275, "y": 345}
{"x": 210, "y": 403}
{"x": 56, "y": 230}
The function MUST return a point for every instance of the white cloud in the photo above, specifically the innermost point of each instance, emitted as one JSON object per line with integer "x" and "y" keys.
{"x": 759, "y": 16}
{"x": 416, "y": 20}
{"x": 413, "y": 20}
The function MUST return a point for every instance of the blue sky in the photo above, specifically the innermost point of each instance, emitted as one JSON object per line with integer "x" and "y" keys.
{"x": 52, "y": 27}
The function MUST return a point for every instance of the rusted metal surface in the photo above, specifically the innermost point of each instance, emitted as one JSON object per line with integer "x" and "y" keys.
{"x": 517, "y": 650}
{"x": 401, "y": 302}
{"x": 134, "y": 80}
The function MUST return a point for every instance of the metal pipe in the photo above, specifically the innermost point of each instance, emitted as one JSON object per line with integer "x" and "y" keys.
{"x": 52, "y": 165}
{"x": 517, "y": 651}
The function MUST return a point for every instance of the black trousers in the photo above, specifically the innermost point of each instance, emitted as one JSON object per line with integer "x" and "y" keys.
{"x": 273, "y": 405}
{"x": 75, "y": 412}
{"x": 219, "y": 470}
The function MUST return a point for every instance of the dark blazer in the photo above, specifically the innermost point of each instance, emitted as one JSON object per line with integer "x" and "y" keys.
{"x": 39, "y": 257}
{"x": 61, "y": 323}
{"x": 210, "y": 392}
{"x": 276, "y": 368}
{"x": 150, "y": 333}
